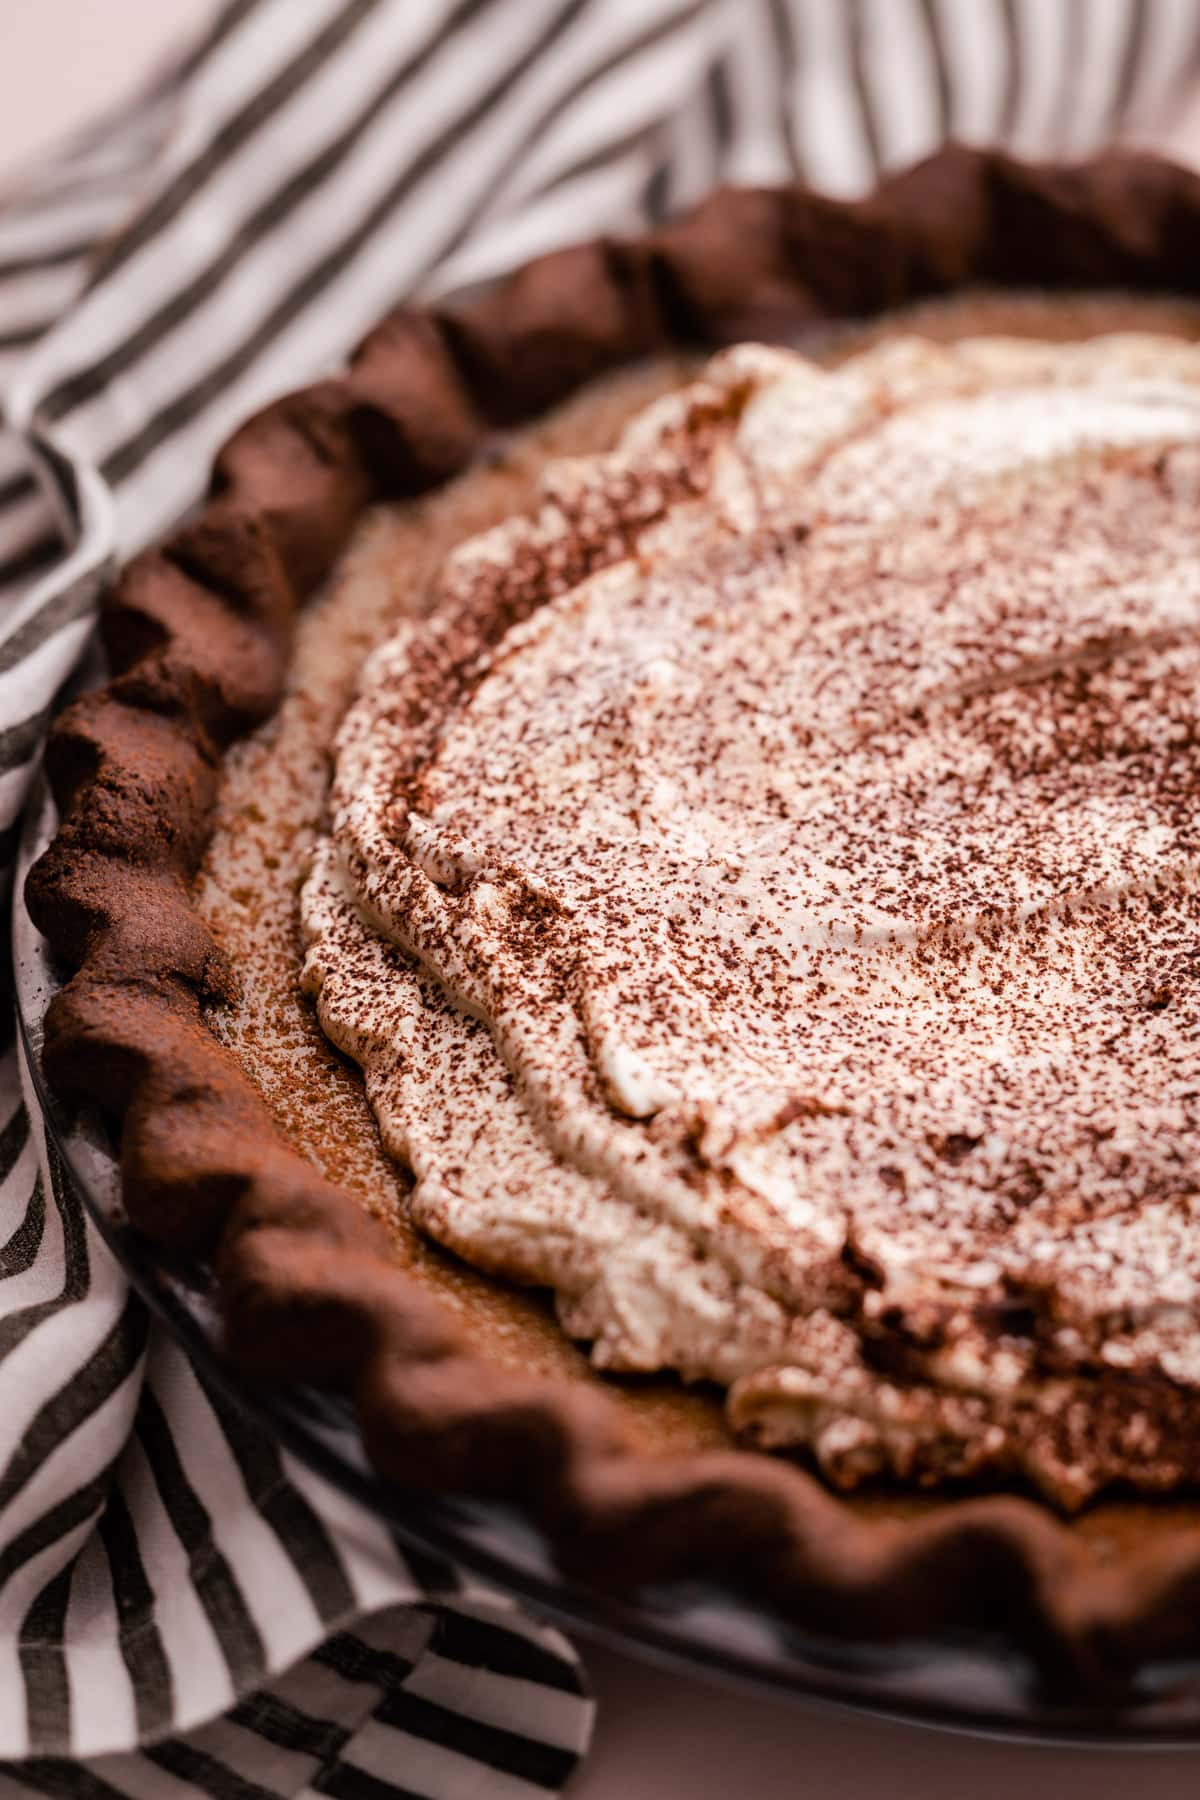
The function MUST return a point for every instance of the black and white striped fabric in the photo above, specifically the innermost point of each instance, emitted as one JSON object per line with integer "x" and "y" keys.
{"x": 183, "y": 1609}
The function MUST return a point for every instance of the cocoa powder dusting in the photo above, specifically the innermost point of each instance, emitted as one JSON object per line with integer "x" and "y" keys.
{"x": 808, "y": 1006}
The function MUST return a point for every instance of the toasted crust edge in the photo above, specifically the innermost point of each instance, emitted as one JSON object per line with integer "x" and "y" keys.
{"x": 198, "y": 631}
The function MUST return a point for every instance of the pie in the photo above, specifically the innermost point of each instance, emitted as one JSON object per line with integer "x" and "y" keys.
{"x": 757, "y": 886}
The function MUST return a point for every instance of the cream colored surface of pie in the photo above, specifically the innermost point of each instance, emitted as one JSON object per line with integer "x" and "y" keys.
{"x": 973, "y": 711}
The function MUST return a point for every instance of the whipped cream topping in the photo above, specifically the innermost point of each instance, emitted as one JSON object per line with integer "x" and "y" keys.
{"x": 762, "y": 895}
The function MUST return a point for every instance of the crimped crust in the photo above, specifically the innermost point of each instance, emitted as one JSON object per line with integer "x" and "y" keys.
{"x": 198, "y": 635}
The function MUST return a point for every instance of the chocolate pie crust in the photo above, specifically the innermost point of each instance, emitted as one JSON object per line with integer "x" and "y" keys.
{"x": 178, "y": 991}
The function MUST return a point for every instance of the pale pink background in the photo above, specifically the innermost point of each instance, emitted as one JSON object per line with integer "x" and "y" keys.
{"x": 659, "y": 1737}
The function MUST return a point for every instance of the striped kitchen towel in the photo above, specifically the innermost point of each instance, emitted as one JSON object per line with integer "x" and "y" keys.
{"x": 183, "y": 1609}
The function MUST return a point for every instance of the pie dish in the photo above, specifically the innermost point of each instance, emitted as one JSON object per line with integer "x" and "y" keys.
{"x": 153, "y": 1025}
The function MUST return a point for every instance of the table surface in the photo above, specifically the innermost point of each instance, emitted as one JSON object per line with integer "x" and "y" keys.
{"x": 659, "y": 1736}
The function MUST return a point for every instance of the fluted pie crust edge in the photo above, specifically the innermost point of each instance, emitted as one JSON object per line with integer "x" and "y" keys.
{"x": 198, "y": 631}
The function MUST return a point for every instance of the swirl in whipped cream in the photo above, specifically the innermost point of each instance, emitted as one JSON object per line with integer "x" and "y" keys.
{"x": 762, "y": 896}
